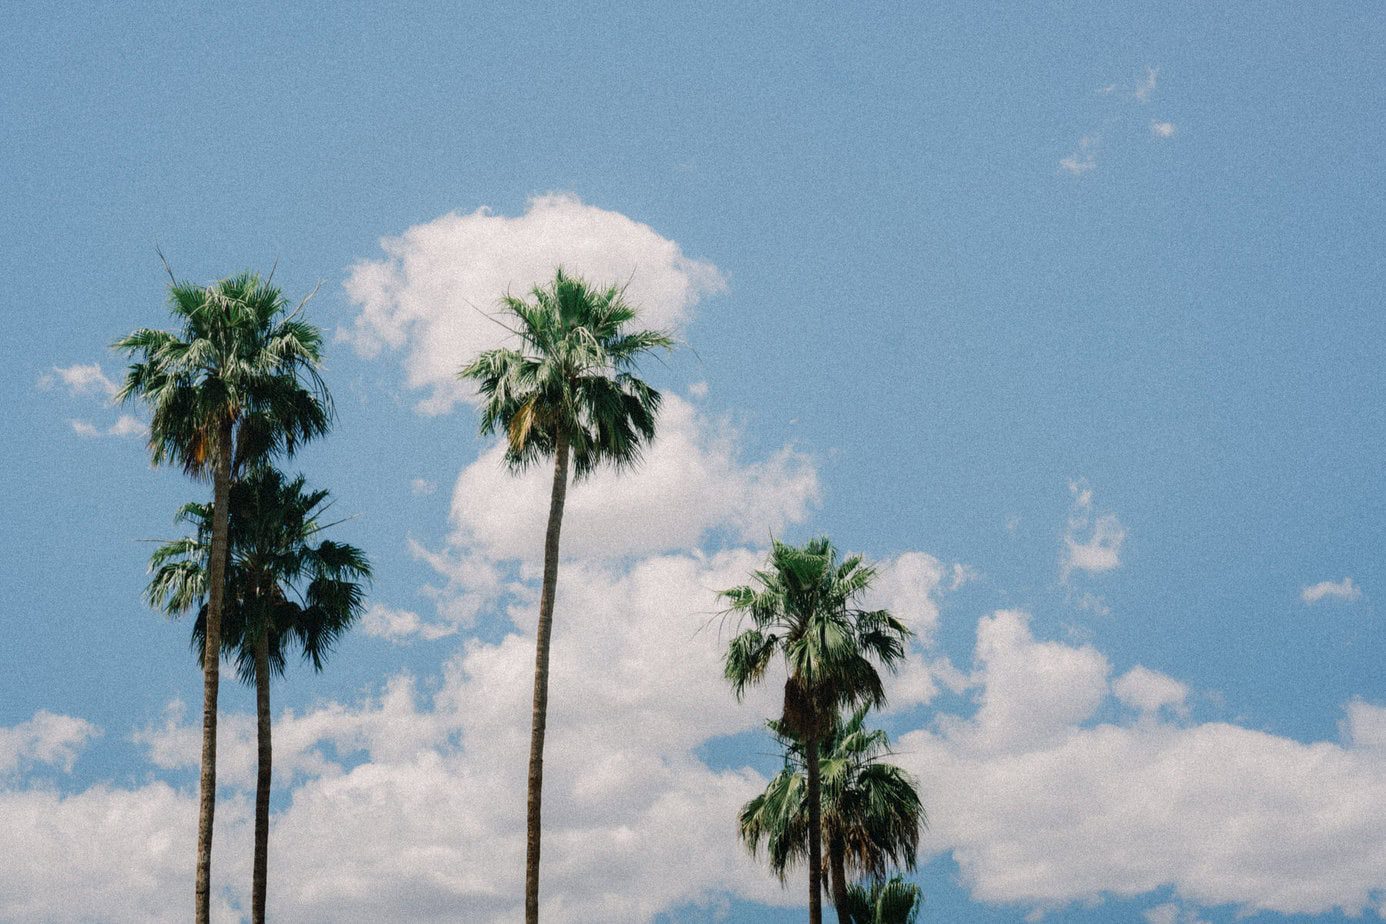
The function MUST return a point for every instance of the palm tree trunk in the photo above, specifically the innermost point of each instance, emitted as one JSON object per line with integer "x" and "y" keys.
{"x": 262, "y": 778}
{"x": 541, "y": 681}
{"x": 211, "y": 671}
{"x": 815, "y": 832}
{"x": 837, "y": 869}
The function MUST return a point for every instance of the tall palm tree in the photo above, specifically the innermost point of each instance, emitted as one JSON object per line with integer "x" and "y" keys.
{"x": 871, "y": 812}
{"x": 283, "y": 591}
{"x": 892, "y": 901}
{"x": 237, "y": 382}
{"x": 803, "y": 610}
{"x": 568, "y": 391}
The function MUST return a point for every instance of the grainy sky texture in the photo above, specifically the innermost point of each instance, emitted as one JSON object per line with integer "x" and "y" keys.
{"x": 1069, "y": 316}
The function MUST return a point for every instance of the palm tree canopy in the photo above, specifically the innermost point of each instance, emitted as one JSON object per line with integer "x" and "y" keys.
{"x": 278, "y": 579}
{"x": 240, "y": 359}
{"x": 572, "y": 377}
{"x": 871, "y": 806}
{"x": 894, "y": 901}
{"x": 804, "y": 607}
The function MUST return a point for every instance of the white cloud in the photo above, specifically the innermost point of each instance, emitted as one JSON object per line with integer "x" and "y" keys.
{"x": 1171, "y": 913}
{"x": 1092, "y": 542}
{"x": 1162, "y": 129}
{"x": 396, "y": 625}
{"x": 422, "y": 487}
{"x": 1150, "y": 691}
{"x": 698, "y": 390}
{"x": 1331, "y": 590}
{"x": 1083, "y": 158}
{"x": 427, "y": 826}
{"x": 80, "y": 380}
{"x": 1040, "y": 807}
{"x": 692, "y": 482}
{"x": 432, "y": 293}
{"x": 47, "y": 738}
{"x": 124, "y": 426}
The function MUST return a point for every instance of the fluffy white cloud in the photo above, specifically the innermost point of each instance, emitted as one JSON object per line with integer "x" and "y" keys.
{"x": 1150, "y": 691}
{"x": 1162, "y": 129}
{"x": 692, "y": 482}
{"x": 47, "y": 738}
{"x": 1042, "y": 808}
{"x": 1092, "y": 542}
{"x": 427, "y": 823}
{"x": 432, "y": 294}
{"x": 113, "y": 854}
{"x": 1331, "y": 590}
{"x": 81, "y": 380}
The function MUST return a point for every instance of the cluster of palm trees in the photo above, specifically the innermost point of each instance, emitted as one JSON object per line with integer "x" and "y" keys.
{"x": 232, "y": 390}
{"x": 804, "y": 610}
{"x": 236, "y": 389}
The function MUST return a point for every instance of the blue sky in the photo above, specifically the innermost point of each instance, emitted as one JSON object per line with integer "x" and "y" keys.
{"x": 1069, "y": 312}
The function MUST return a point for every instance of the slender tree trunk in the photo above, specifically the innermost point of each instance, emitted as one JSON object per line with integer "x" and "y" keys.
{"x": 541, "y": 681}
{"x": 837, "y": 870}
{"x": 211, "y": 671}
{"x": 262, "y": 778}
{"x": 815, "y": 832}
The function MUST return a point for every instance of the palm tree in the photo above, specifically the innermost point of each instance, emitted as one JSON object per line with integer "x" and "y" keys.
{"x": 803, "y": 608}
{"x": 282, "y": 591}
{"x": 871, "y": 813}
{"x": 892, "y": 901}
{"x": 568, "y": 391}
{"x": 238, "y": 382}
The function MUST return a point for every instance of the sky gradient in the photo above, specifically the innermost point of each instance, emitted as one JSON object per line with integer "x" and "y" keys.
{"x": 1070, "y": 316}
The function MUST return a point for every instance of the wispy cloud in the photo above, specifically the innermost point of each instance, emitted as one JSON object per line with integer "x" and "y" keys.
{"x": 80, "y": 380}
{"x": 422, "y": 486}
{"x": 1162, "y": 129}
{"x": 1083, "y": 159}
{"x": 1146, "y": 87}
{"x": 125, "y": 425}
{"x": 1331, "y": 590}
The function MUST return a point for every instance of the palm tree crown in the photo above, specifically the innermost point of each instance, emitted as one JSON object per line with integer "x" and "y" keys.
{"x": 571, "y": 380}
{"x": 301, "y": 594}
{"x": 804, "y": 608}
{"x": 871, "y": 812}
{"x": 241, "y": 366}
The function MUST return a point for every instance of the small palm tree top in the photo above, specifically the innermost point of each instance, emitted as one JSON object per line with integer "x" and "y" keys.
{"x": 278, "y": 579}
{"x": 873, "y": 806}
{"x": 571, "y": 379}
{"x": 804, "y": 606}
{"x": 240, "y": 358}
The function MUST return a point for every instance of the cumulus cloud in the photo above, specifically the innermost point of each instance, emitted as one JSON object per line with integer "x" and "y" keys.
{"x": 1092, "y": 541}
{"x": 47, "y": 738}
{"x": 1162, "y": 129}
{"x": 80, "y": 380}
{"x": 693, "y": 482}
{"x": 431, "y": 295}
{"x": 1043, "y": 808}
{"x": 1149, "y": 691}
{"x": 416, "y": 797}
{"x": 1331, "y": 590}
